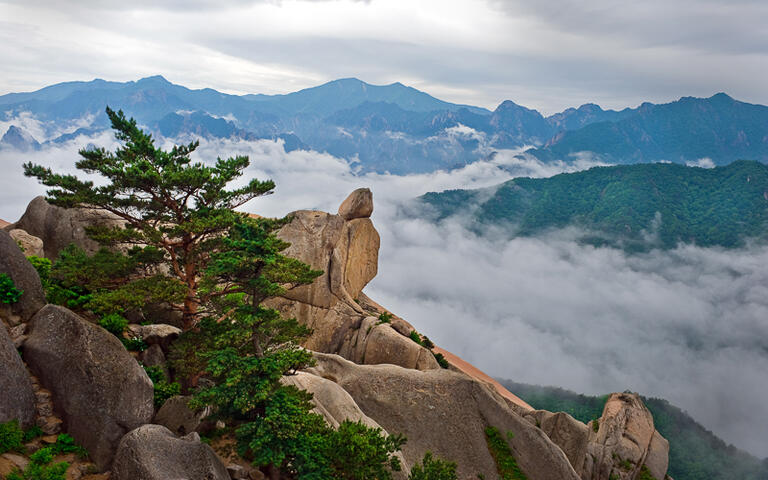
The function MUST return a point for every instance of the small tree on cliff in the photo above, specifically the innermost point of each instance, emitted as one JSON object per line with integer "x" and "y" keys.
{"x": 178, "y": 207}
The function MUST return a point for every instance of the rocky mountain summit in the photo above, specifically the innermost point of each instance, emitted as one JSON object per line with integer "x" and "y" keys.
{"x": 371, "y": 366}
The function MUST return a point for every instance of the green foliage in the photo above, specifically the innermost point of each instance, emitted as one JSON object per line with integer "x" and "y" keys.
{"x": 134, "y": 344}
{"x": 39, "y": 467}
{"x": 33, "y": 433}
{"x": 178, "y": 208}
{"x": 385, "y": 317}
{"x": 11, "y": 436}
{"x": 427, "y": 343}
{"x": 111, "y": 281}
{"x": 502, "y": 455}
{"x": 66, "y": 444}
{"x": 596, "y": 425}
{"x": 636, "y": 207}
{"x": 433, "y": 469}
{"x": 694, "y": 452}
{"x": 358, "y": 452}
{"x": 43, "y": 267}
{"x": 441, "y": 360}
{"x": 114, "y": 323}
{"x": 414, "y": 335}
{"x": 8, "y": 291}
{"x": 645, "y": 474}
{"x": 163, "y": 388}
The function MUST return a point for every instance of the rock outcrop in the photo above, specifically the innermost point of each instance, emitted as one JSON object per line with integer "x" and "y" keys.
{"x": 30, "y": 245}
{"x": 17, "y": 400}
{"x": 346, "y": 248}
{"x": 445, "y": 412}
{"x": 99, "y": 390}
{"x": 619, "y": 445}
{"x": 152, "y": 452}
{"x": 58, "y": 227}
{"x": 25, "y": 278}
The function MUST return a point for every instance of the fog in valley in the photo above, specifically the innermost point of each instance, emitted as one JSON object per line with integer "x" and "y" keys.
{"x": 688, "y": 325}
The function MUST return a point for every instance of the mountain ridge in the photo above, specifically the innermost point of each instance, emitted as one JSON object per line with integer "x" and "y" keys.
{"x": 398, "y": 129}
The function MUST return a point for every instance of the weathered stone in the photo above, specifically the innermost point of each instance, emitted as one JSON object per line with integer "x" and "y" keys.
{"x": 362, "y": 255}
{"x": 156, "y": 334}
{"x": 154, "y": 357}
{"x": 30, "y": 245}
{"x": 434, "y": 408}
{"x": 374, "y": 343}
{"x": 99, "y": 390}
{"x": 569, "y": 434}
{"x": 177, "y": 417}
{"x": 58, "y": 227}
{"x": 359, "y": 204}
{"x": 17, "y": 399}
{"x": 152, "y": 452}
{"x": 24, "y": 276}
{"x": 10, "y": 462}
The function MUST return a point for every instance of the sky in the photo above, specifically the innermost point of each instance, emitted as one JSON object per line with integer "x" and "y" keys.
{"x": 545, "y": 55}
{"x": 687, "y": 325}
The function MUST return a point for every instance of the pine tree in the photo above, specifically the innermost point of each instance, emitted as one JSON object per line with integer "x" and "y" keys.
{"x": 168, "y": 202}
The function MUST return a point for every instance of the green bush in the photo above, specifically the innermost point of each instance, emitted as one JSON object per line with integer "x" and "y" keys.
{"x": 39, "y": 468}
{"x": 385, "y": 317}
{"x": 11, "y": 436}
{"x": 596, "y": 425}
{"x": 427, "y": 343}
{"x": 8, "y": 291}
{"x": 502, "y": 455}
{"x": 433, "y": 469}
{"x": 33, "y": 433}
{"x": 163, "y": 389}
{"x": 416, "y": 337}
{"x": 114, "y": 323}
{"x": 134, "y": 344}
{"x": 441, "y": 360}
{"x": 66, "y": 444}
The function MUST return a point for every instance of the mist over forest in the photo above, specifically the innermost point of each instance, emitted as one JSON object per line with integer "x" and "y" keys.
{"x": 686, "y": 324}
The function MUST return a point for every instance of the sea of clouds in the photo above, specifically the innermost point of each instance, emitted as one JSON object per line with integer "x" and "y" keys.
{"x": 688, "y": 325}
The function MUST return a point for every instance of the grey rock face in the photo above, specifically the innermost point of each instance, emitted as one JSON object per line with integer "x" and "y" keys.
{"x": 17, "y": 399}
{"x": 99, "y": 390}
{"x": 24, "y": 276}
{"x": 176, "y": 415}
{"x": 152, "y": 452}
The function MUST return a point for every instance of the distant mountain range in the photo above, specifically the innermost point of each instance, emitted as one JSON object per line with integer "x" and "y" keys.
{"x": 636, "y": 207}
{"x": 396, "y": 128}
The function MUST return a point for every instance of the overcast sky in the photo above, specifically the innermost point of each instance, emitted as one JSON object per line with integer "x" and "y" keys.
{"x": 546, "y": 55}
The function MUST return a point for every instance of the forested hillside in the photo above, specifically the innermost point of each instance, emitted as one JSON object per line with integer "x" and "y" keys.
{"x": 634, "y": 206}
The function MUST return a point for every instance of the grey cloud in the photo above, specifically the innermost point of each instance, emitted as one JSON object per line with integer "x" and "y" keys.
{"x": 736, "y": 27}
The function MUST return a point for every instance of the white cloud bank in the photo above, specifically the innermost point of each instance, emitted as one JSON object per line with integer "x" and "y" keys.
{"x": 688, "y": 325}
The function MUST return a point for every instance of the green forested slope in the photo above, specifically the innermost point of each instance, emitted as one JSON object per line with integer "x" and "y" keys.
{"x": 637, "y": 206}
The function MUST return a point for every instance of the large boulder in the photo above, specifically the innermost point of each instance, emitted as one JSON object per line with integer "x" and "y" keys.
{"x": 98, "y": 388}
{"x": 30, "y": 245}
{"x": 445, "y": 412}
{"x": 17, "y": 399}
{"x": 152, "y": 452}
{"x": 58, "y": 227}
{"x": 359, "y": 204}
{"x": 25, "y": 278}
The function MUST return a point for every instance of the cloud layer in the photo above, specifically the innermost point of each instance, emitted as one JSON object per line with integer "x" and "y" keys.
{"x": 687, "y": 325}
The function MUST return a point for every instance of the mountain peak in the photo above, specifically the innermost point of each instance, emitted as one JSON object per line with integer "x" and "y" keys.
{"x": 154, "y": 80}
